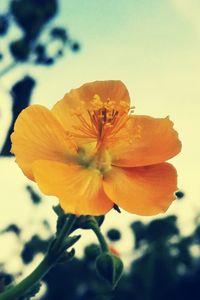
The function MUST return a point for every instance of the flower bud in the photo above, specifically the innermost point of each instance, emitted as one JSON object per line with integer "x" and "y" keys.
{"x": 109, "y": 267}
{"x": 92, "y": 252}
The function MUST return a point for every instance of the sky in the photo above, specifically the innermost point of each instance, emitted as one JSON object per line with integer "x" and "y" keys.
{"x": 153, "y": 47}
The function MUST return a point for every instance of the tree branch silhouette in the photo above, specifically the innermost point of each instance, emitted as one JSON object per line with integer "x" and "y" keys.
{"x": 35, "y": 21}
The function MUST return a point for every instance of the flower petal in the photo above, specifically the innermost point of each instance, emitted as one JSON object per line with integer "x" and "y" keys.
{"x": 144, "y": 190}
{"x": 79, "y": 190}
{"x": 113, "y": 89}
{"x": 145, "y": 141}
{"x": 38, "y": 135}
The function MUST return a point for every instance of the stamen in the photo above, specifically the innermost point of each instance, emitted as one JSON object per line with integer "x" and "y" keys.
{"x": 96, "y": 102}
{"x": 104, "y": 119}
{"x": 108, "y": 117}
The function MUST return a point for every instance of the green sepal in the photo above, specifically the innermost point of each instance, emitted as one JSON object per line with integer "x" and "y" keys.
{"x": 58, "y": 210}
{"x": 110, "y": 268}
{"x": 60, "y": 223}
{"x": 116, "y": 207}
{"x": 56, "y": 251}
{"x": 84, "y": 222}
{"x": 68, "y": 242}
{"x": 100, "y": 220}
{"x": 66, "y": 257}
{"x": 62, "y": 219}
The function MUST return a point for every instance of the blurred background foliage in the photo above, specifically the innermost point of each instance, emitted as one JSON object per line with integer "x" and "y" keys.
{"x": 164, "y": 263}
{"x": 40, "y": 43}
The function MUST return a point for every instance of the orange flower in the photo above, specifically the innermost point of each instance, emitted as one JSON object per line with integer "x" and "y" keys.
{"x": 91, "y": 152}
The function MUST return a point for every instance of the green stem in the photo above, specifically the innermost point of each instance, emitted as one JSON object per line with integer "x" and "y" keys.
{"x": 19, "y": 289}
{"x": 65, "y": 231}
{"x": 96, "y": 229}
{"x": 46, "y": 264}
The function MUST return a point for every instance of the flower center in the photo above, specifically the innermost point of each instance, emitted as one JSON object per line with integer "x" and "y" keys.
{"x": 101, "y": 120}
{"x": 107, "y": 116}
{"x": 90, "y": 157}
{"x": 98, "y": 127}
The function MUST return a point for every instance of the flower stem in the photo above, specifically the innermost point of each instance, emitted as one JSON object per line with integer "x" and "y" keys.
{"x": 96, "y": 229}
{"x": 66, "y": 229}
{"x": 46, "y": 264}
{"x": 19, "y": 289}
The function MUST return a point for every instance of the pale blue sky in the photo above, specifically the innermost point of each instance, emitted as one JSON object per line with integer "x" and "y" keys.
{"x": 153, "y": 46}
